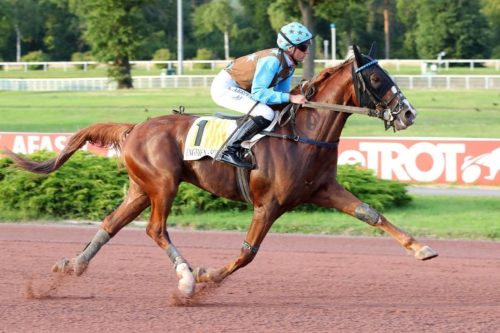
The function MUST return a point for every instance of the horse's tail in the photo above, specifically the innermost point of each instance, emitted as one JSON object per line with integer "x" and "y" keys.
{"x": 101, "y": 134}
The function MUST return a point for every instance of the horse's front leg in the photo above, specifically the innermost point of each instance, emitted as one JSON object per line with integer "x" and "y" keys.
{"x": 262, "y": 220}
{"x": 335, "y": 196}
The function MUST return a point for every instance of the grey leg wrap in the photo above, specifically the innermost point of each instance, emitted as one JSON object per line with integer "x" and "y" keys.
{"x": 252, "y": 249}
{"x": 175, "y": 256}
{"x": 367, "y": 214}
{"x": 100, "y": 238}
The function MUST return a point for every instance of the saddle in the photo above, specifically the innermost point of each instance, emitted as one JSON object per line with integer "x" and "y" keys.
{"x": 207, "y": 135}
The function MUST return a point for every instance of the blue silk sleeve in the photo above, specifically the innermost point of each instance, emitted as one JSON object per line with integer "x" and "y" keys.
{"x": 265, "y": 71}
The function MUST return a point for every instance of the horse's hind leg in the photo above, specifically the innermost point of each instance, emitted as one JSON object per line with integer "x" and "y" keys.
{"x": 337, "y": 197}
{"x": 129, "y": 209}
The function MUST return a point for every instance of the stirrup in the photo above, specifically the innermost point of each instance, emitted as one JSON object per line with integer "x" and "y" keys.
{"x": 235, "y": 160}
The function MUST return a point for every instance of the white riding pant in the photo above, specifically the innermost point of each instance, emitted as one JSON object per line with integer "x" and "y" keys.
{"x": 226, "y": 93}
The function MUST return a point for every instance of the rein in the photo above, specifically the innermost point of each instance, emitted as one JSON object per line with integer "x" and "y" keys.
{"x": 291, "y": 111}
{"x": 342, "y": 108}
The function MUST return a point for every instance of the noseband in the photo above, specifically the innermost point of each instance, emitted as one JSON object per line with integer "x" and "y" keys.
{"x": 367, "y": 97}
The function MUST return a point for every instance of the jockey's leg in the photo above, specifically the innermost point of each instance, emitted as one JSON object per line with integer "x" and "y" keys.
{"x": 227, "y": 94}
{"x": 161, "y": 204}
{"x": 128, "y": 210}
{"x": 232, "y": 153}
{"x": 335, "y": 196}
{"x": 263, "y": 218}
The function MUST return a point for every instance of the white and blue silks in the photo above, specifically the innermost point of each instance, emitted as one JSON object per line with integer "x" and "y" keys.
{"x": 226, "y": 92}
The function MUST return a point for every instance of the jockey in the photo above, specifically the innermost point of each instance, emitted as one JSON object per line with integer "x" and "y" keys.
{"x": 245, "y": 86}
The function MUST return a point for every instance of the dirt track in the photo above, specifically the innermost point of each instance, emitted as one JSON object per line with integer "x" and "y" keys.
{"x": 295, "y": 284}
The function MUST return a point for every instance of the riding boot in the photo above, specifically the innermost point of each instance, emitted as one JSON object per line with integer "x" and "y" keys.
{"x": 233, "y": 153}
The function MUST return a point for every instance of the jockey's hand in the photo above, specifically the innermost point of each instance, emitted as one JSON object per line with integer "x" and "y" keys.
{"x": 298, "y": 99}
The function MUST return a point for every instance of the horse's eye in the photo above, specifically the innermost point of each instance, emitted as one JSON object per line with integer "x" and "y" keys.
{"x": 375, "y": 80}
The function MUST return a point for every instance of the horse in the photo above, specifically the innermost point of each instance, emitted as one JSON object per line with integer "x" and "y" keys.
{"x": 296, "y": 165}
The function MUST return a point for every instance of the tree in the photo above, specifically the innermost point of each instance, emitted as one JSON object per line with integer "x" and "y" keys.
{"x": 16, "y": 13}
{"x": 115, "y": 30}
{"x": 255, "y": 21}
{"x": 62, "y": 36}
{"x": 351, "y": 20}
{"x": 453, "y": 26}
{"x": 491, "y": 9}
{"x": 406, "y": 11}
{"x": 218, "y": 14}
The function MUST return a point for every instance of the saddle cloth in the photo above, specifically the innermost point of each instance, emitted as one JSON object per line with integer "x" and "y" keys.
{"x": 207, "y": 135}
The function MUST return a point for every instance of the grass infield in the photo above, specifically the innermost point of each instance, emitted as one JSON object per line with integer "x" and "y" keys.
{"x": 442, "y": 113}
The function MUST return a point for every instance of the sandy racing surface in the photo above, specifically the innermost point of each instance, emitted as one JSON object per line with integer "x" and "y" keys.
{"x": 296, "y": 284}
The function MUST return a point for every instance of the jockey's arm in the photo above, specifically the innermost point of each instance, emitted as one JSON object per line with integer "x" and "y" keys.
{"x": 265, "y": 71}
{"x": 284, "y": 86}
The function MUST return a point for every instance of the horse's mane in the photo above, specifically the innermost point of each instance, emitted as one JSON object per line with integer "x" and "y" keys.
{"x": 323, "y": 75}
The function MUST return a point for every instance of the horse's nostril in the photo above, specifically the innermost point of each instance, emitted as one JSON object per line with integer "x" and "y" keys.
{"x": 409, "y": 117}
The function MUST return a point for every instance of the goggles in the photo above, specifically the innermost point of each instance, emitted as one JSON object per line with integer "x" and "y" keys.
{"x": 303, "y": 46}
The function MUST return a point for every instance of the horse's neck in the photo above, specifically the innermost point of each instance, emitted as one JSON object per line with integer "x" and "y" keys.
{"x": 326, "y": 125}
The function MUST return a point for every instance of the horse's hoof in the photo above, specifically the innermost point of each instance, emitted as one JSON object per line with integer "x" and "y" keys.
{"x": 79, "y": 266}
{"x": 203, "y": 275}
{"x": 73, "y": 266}
{"x": 425, "y": 253}
{"x": 199, "y": 274}
{"x": 63, "y": 265}
{"x": 186, "y": 280}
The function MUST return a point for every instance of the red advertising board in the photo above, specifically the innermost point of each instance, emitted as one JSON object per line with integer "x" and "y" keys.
{"x": 427, "y": 160}
{"x": 27, "y": 143}
{"x": 423, "y": 160}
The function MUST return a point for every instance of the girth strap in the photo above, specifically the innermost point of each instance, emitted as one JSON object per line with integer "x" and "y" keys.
{"x": 242, "y": 183}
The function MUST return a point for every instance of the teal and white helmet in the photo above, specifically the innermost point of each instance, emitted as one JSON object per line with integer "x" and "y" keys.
{"x": 293, "y": 34}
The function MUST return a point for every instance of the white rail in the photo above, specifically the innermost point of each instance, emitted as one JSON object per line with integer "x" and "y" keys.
{"x": 204, "y": 81}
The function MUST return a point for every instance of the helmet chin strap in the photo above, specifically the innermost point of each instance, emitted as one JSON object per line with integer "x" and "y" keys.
{"x": 292, "y": 55}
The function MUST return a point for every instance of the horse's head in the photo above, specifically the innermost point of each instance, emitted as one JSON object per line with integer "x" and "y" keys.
{"x": 376, "y": 89}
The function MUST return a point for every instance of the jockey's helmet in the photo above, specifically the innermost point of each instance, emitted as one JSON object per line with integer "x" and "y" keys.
{"x": 293, "y": 34}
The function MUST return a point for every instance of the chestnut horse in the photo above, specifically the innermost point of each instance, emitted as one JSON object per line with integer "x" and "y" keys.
{"x": 288, "y": 173}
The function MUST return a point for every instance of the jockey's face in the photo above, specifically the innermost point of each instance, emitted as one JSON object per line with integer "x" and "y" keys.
{"x": 299, "y": 52}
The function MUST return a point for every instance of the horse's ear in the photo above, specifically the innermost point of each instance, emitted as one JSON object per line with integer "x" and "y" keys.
{"x": 373, "y": 50}
{"x": 357, "y": 55}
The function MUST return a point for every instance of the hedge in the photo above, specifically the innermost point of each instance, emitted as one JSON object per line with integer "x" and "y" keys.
{"x": 89, "y": 187}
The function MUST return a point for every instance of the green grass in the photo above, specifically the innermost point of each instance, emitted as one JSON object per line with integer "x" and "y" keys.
{"x": 442, "y": 113}
{"x": 438, "y": 217}
{"x": 427, "y": 216}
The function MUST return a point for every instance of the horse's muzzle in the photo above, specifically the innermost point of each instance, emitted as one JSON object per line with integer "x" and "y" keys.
{"x": 406, "y": 117}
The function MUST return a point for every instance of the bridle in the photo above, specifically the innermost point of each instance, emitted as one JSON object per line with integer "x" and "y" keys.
{"x": 367, "y": 97}
{"x": 371, "y": 105}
